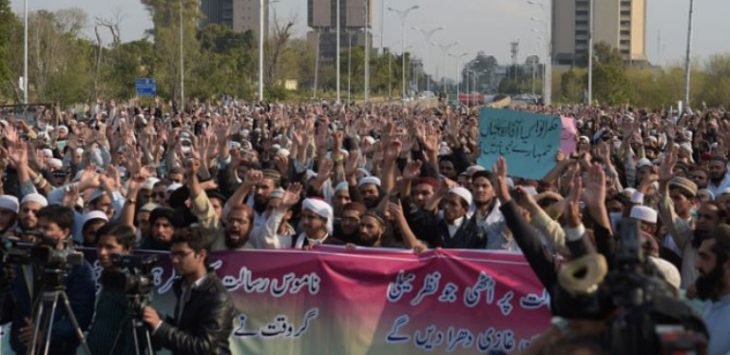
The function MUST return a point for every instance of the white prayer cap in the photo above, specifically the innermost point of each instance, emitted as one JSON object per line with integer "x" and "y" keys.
{"x": 584, "y": 139}
{"x": 309, "y": 174}
{"x": 278, "y": 193}
{"x": 55, "y": 163}
{"x": 283, "y": 152}
{"x": 705, "y": 193}
{"x": 637, "y": 198}
{"x": 62, "y": 128}
{"x": 644, "y": 214}
{"x": 174, "y": 186}
{"x": 149, "y": 207}
{"x": 149, "y": 184}
{"x": 342, "y": 186}
{"x": 34, "y": 197}
{"x": 463, "y": 193}
{"x": 686, "y": 146}
{"x": 629, "y": 191}
{"x": 320, "y": 208}
{"x": 9, "y": 202}
{"x": 668, "y": 271}
{"x": 473, "y": 169}
{"x": 47, "y": 153}
{"x": 363, "y": 171}
{"x": 275, "y": 147}
{"x": 79, "y": 151}
{"x": 90, "y": 216}
{"x": 370, "y": 140}
{"x": 369, "y": 180}
{"x": 643, "y": 162}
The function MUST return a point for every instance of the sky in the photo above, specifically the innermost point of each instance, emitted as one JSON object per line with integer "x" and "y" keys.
{"x": 478, "y": 25}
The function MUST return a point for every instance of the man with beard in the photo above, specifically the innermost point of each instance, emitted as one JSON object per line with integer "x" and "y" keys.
{"x": 28, "y": 216}
{"x": 713, "y": 284}
{"x": 719, "y": 179}
{"x": 8, "y": 213}
{"x": 371, "y": 230}
{"x": 238, "y": 227}
{"x": 316, "y": 219}
{"x": 700, "y": 177}
{"x": 486, "y": 211}
{"x": 164, "y": 221}
{"x": 277, "y": 233}
{"x": 346, "y": 228}
{"x": 369, "y": 188}
{"x": 262, "y": 191}
{"x": 678, "y": 196}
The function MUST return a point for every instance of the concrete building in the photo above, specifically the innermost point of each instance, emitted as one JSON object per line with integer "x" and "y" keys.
{"x": 240, "y": 15}
{"x": 322, "y": 18}
{"x": 619, "y": 23}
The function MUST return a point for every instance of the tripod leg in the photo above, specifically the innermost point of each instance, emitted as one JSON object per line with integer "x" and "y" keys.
{"x": 148, "y": 341}
{"x": 75, "y": 323}
{"x": 135, "y": 336}
{"x": 49, "y": 328}
{"x": 37, "y": 327}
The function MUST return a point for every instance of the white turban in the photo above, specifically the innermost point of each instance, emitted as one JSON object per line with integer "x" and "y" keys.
{"x": 37, "y": 198}
{"x": 369, "y": 180}
{"x": 463, "y": 193}
{"x": 9, "y": 202}
{"x": 320, "y": 208}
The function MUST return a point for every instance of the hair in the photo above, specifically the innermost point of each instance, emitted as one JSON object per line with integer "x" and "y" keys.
{"x": 123, "y": 233}
{"x": 248, "y": 211}
{"x": 164, "y": 212}
{"x": 355, "y": 206}
{"x": 60, "y": 215}
{"x": 196, "y": 237}
{"x": 483, "y": 174}
{"x": 721, "y": 234}
{"x": 721, "y": 212}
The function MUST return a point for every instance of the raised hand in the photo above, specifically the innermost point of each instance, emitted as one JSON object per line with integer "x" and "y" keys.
{"x": 352, "y": 162}
{"x": 666, "y": 170}
{"x": 594, "y": 194}
{"x": 499, "y": 182}
{"x": 392, "y": 151}
{"x": 573, "y": 207}
{"x": 253, "y": 177}
{"x": 412, "y": 170}
{"x": 292, "y": 195}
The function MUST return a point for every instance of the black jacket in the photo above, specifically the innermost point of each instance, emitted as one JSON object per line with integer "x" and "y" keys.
{"x": 432, "y": 229}
{"x": 205, "y": 324}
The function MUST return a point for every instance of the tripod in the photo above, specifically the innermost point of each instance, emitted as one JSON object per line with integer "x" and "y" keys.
{"x": 140, "y": 332}
{"x": 44, "y": 321}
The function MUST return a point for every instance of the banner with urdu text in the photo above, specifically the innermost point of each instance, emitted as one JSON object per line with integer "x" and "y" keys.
{"x": 376, "y": 301}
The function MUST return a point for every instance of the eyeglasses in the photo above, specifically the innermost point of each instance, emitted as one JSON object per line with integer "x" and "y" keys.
{"x": 179, "y": 254}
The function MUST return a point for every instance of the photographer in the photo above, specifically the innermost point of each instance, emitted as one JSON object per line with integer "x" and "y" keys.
{"x": 55, "y": 224}
{"x": 204, "y": 311}
{"x": 110, "y": 330}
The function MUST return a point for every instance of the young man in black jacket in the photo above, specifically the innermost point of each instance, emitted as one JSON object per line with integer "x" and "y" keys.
{"x": 204, "y": 311}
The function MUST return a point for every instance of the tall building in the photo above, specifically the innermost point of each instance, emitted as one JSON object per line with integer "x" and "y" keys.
{"x": 619, "y": 23}
{"x": 322, "y": 18}
{"x": 240, "y": 15}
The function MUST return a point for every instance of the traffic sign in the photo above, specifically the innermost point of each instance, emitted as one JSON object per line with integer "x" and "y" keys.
{"x": 145, "y": 87}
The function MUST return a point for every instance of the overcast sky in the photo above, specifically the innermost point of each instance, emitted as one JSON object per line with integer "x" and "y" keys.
{"x": 479, "y": 25}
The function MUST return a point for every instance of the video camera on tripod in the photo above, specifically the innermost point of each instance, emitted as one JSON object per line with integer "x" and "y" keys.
{"x": 54, "y": 262}
{"x": 138, "y": 285}
{"x": 640, "y": 309}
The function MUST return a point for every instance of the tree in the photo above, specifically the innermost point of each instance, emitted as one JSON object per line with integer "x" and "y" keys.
{"x": 573, "y": 85}
{"x": 9, "y": 26}
{"x": 610, "y": 84}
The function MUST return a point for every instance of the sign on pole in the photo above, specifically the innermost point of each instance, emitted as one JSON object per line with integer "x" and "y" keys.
{"x": 528, "y": 141}
{"x": 145, "y": 87}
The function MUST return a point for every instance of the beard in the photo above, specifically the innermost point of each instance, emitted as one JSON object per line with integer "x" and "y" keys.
{"x": 235, "y": 242}
{"x": 698, "y": 237}
{"x": 709, "y": 285}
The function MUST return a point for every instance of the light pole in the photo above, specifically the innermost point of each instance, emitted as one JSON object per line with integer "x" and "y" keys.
{"x": 403, "y": 14}
{"x": 366, "y": 87}
{"x": 444, "y": 50}
{"x": 182, "y": 61}
{"x": 349, "y": 66}
{"x": 548, "y": 82}
{"x": 458, "y": 72}
{"x": 337, "y": 55}
{"x": 261, "y": 50}
{"x": 687, "y": 69}
{"x": 25, "y": 57}
{"x": 427, "y": 34}
{"x": 591, "y": 4}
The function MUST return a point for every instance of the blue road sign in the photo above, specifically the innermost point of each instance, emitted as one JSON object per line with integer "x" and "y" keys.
{"x": 145, "y": 87}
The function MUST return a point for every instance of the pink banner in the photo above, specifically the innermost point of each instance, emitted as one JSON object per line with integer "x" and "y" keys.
{"x": 380, "y": 301}
{"x": 568, "y": 136}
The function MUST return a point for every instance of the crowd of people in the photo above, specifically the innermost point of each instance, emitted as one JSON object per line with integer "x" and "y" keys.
{"x": 233, "y": 175}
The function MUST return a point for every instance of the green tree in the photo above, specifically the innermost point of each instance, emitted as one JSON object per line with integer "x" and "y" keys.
{"x": 610, "y": 84}
{"x": 573, "y": 85}
{"x": 9, "y": 27}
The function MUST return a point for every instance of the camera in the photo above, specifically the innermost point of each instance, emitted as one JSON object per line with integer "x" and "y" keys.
{"x": 138, "y": 281}
{"x": 640, "y": 310}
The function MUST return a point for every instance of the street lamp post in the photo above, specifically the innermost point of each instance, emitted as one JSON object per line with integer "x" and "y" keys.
{"x": 548, "y": 82}
{"x": 427, "y": 34}
{"x": 366, "y": 88}
{"x": 25, "y": 56}
{"x": 444, "y": 50}
{"x": 591, "y": 4}
{"x": 403, "y": 14}
{"x": 458, "y": 73}
{"x": 349, "y": 66}
{"x": 687, "y": 64}
{"x": 337, "y": 55}
{"x": 182, "y": 61}
{"x": 261, "y": 50}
